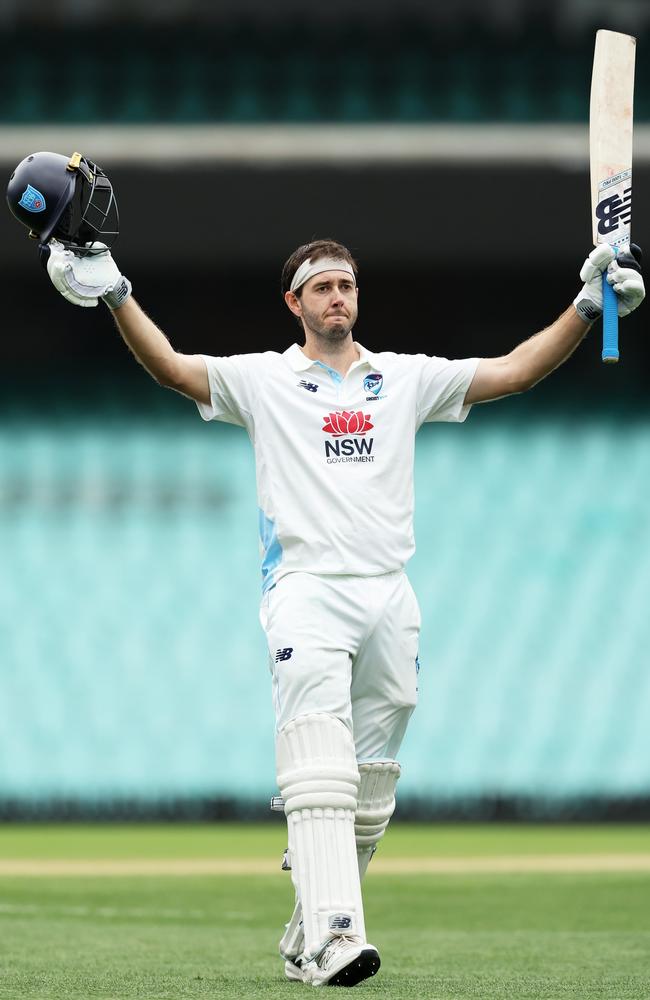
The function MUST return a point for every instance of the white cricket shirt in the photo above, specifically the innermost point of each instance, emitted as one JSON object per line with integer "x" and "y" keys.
{"x": 334, "y": 456}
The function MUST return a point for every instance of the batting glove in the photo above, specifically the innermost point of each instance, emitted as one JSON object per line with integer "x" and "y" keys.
{"x": 623, "y": 273}
{"x": 85, "y": 280}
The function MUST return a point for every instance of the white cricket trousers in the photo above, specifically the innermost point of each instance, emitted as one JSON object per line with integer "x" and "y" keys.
{"x": 347, "y": 646}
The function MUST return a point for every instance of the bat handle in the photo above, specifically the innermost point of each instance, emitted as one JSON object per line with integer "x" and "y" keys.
{"x": 610, "y": 322}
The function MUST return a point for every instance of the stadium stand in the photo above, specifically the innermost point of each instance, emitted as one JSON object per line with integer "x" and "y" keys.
{"x": 131, "y": 671}
{"x": 402, "y": 70}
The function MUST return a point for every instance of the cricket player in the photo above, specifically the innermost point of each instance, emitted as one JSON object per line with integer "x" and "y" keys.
{"x": 333, "y": 426}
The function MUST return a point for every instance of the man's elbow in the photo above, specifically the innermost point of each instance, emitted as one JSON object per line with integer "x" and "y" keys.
{"x": 170, "y": 375}
{"x": 520, "y": 379}
{"x": 522, "y": 383}
{"x": 186, "y": 374}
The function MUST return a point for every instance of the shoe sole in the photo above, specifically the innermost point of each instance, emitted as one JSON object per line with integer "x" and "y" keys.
{"x": 362, "y": 967}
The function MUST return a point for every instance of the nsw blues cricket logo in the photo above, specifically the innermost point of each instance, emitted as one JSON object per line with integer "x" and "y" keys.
{"x": 373, "y": 383}
{"x": 32, "y": 200}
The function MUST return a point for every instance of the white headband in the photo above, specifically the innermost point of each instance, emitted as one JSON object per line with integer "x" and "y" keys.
{"x": 307, "y": 270}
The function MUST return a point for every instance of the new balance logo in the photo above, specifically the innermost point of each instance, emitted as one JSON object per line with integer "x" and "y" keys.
{"x": 611, "y": 211}
{"x": 340, "y": 922}
{"x": 309, "y": 386}
{"x": 283, "y": 654}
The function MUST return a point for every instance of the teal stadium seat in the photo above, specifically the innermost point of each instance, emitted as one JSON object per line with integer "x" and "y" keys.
{"x": 133, "y": 665}
{"x": 393, "y": 71}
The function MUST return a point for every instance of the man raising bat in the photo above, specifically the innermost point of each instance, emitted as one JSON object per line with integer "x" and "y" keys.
{"x": 333, "y": 427}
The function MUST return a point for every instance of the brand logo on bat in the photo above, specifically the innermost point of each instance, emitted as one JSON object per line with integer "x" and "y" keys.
{"x": 346, "y": 422}
{"x": 614, "y": 210}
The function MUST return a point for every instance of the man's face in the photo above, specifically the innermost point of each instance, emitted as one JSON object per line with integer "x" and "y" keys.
{"x": 329, "y": 305}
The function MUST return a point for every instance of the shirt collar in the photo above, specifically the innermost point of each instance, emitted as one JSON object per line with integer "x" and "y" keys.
{"x": 299, "y": 361}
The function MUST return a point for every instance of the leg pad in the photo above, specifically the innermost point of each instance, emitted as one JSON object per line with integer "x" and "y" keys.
{"x": 318, "y": 777}
{"x": 375, "y": 806}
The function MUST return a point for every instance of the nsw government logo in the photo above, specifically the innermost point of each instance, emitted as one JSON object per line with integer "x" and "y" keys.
{"x": 346, "y": 427}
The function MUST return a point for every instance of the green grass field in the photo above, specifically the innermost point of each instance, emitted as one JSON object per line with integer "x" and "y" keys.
{"x": 538, "y": 934}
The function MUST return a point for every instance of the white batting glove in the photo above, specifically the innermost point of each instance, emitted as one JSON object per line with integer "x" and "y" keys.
{"x": 623, "y": 273}
{"x": 589, "y": 301}
{"x": 85, "y": 280}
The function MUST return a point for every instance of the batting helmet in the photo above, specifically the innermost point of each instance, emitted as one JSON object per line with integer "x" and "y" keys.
{"x": 68, "y": 198}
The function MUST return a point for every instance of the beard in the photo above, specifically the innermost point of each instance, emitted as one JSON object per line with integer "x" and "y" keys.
{"x": 332, "y": 332}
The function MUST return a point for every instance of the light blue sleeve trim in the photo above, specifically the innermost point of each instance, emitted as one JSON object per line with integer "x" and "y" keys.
{"x": 272, "y": 550}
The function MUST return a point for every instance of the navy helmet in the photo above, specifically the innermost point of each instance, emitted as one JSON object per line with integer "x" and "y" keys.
{"x": 68, "y": 198}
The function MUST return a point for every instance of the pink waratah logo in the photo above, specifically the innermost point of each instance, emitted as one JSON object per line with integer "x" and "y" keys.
{"x": 347, "y": 423}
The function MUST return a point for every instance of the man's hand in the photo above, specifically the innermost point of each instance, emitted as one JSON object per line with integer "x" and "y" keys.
{"x": 623, "y": 273}
{"x": 85, "y": 280}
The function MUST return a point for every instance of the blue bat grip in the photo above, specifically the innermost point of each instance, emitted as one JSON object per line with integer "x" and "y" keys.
{"x": 610, "y": 322}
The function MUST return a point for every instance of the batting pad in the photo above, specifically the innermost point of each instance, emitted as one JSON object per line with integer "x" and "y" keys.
{"x": 318, "y": 777}
{"x": 375, "y": 806}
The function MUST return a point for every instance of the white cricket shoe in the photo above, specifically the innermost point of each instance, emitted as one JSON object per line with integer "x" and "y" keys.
{"x": 293, "y": 971}
{"x": 345, "y": 961}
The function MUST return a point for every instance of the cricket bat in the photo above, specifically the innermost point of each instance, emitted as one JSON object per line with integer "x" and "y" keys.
{"x": 610, "y": 154}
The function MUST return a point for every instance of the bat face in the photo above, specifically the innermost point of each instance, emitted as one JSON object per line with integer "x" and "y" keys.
{"x": 610, "y": 138}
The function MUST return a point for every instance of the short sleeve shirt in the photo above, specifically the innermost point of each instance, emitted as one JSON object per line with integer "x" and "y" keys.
{"x": 334, "y": 455}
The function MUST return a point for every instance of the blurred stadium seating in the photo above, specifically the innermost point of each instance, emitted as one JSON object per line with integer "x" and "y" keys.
{"x": 133, "y": 668}
{"x": 293, "y": 73}
{"x": 513, "y": 61}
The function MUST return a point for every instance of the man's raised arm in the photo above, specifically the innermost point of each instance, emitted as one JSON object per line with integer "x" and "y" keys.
{"x": 85, "y": 280}
{"x": 529, "y": 362}
{"x": 185, "y": 373}
{"x": 541, "y": 354}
